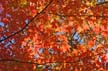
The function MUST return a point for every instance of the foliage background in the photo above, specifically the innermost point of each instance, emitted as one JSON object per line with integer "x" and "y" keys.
{"x": 55, "y": 35}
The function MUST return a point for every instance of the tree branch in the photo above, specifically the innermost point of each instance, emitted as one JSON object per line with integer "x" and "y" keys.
{"x": 27, "y": 24}
{"x": 25, "y": 62}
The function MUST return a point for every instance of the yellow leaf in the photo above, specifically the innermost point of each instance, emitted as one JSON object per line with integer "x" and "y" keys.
{"x": 23, "y": 3}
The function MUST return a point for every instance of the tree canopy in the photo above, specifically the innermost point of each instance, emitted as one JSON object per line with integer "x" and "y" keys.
{"x": 54, "y": 35}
